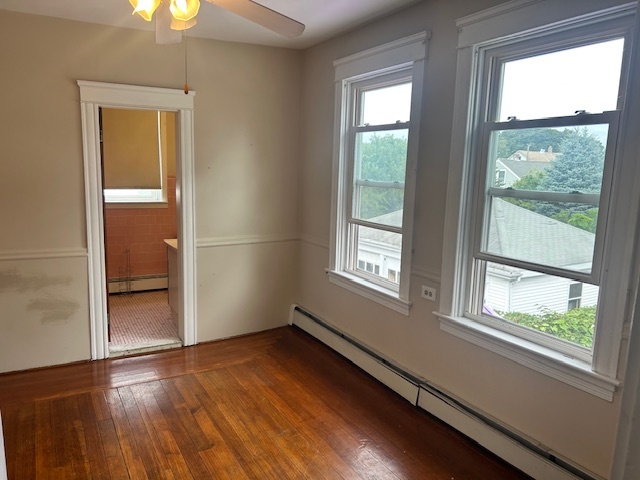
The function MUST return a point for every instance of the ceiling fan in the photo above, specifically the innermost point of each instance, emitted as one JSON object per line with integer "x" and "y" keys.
{"x": 173, "y": 16}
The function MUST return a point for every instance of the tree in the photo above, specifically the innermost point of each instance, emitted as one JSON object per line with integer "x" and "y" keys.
{"x": 383, "y": 159}
{"x": 533, "y": 139}
{"x": 531, "y": 181}
{"x": 578, "y": 169}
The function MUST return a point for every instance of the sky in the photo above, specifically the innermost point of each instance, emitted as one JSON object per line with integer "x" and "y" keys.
{"x": 559, "y": 83}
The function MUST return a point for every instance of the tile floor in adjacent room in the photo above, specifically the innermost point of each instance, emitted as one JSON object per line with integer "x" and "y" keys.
{"x": 141, "y": 318}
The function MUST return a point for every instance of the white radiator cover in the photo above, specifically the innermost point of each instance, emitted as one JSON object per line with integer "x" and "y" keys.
{"x": 421, "y": 394}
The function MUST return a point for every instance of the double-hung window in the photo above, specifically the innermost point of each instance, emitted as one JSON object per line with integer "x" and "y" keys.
{"x": 532, "y": 260}
{"x": 378, "y": 96}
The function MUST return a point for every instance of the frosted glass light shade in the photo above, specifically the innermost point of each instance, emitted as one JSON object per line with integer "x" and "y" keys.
{"x": 184, "y": 10}
{"x": 145, "y": 8}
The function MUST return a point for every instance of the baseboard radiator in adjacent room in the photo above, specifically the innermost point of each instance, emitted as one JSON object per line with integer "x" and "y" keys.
{"x": 512, "y": 447}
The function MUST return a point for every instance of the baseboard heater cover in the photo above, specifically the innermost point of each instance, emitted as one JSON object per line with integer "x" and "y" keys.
{"x": 511, "y": 447}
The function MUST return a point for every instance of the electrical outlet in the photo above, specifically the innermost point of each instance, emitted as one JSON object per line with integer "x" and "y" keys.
{"x": 429, "y": 293}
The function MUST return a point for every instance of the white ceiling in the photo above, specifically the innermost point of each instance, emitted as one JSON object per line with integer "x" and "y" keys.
{"x": 323, "y": 18}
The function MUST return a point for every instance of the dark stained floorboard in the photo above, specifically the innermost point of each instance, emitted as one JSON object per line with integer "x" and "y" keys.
{"x": 273, "y": 405}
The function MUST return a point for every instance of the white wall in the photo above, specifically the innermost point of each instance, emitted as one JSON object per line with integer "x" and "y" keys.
{"x": 247, "y": 111}
{"x": 575, "y": 425}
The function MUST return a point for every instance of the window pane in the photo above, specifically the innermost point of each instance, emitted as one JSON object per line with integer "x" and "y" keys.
{"x": 557, "y": 84}
{"x": 380, "y": 249}
{"x": 381, "y": 156}
{"x": 386, "y": 105}
{"x": 379, "y": 205}
{"x": 554, "y": 234}
{"x": 540, "y": 302}
{"x": 549, "y": 159}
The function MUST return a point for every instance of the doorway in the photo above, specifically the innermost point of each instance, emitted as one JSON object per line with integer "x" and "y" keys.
{"x": 93, "y": 97}
{"x": 138, "y": 151}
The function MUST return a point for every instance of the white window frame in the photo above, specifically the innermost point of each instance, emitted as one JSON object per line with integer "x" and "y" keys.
{"x": 501, "y": 26}
{"x": 406, "y": 56}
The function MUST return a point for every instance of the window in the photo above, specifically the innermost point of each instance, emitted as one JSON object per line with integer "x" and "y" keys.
{"x": 575, "y": 296}
{"x": 530, "y": 262}
{"x": 136, "y": 146}
{"x": 378, "y": 95}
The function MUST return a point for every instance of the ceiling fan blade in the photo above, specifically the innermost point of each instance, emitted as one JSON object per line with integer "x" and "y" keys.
{"x": 262, "y": 15}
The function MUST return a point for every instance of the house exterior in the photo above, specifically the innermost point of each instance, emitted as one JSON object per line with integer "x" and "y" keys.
{"x": 547, "y": 241}
{"x": 509, "y": 170}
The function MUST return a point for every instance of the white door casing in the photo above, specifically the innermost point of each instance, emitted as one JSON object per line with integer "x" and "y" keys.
{"x": 94, "y": 95}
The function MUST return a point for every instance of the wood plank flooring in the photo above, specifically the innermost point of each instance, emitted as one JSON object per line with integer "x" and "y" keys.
{"x": 273, "y": 405}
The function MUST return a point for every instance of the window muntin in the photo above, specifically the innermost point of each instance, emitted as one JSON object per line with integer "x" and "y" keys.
{"x": 552, "y": 229}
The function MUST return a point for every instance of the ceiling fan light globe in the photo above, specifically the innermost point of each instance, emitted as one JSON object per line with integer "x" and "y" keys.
{"x": 145, "y": 8}
{"x": 184, "y": 10}
{"x": 181, "y": 25}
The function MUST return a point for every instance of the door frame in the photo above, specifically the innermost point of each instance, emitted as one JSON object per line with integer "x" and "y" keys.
{"x": 94, "y": 95}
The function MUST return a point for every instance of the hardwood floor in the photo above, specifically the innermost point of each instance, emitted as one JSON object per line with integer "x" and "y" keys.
{"x": 274, "y": 405}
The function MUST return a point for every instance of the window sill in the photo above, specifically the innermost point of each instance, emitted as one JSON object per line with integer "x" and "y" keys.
{"x": 543, "y": 360}
{"x": 122, "y": 205}
{"x": 378, "y": 294}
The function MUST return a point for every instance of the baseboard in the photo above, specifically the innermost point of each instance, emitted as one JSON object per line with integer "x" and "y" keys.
{"x": 139, "y": 284}
{"x": 510, "y": 446}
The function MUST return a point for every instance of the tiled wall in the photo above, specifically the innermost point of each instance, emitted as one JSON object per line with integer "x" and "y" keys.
{"x": 141, "y": 231}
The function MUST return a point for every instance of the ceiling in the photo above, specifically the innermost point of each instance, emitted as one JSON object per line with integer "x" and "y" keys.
{"x": 323, "y": 18}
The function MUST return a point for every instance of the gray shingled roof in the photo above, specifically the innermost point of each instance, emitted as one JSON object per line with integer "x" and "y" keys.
{"x": 521, "y": 168}
{"x": 517, "y": 233}
{"x": 380, "y": 236}
{"x": 520, "y": 233}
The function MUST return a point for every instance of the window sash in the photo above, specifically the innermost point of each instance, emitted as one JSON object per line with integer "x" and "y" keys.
{"x": 354, "y": 184}
{"x": 485, "y": 192}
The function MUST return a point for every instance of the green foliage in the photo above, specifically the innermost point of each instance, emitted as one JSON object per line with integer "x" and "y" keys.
{"x": 586, "y": 220}
{"x": 536, "y": 139}
{"x": 579, "y": 168}
{"x": 383, "y": 158}
{"x": 531, "y": 181}
{"x": 576, "y": 325}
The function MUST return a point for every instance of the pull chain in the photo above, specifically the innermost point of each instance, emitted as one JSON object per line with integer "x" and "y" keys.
{"x": 186, "y": 84}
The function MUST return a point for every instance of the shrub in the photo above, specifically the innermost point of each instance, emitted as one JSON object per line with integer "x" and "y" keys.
{"x": 576, "y": 325}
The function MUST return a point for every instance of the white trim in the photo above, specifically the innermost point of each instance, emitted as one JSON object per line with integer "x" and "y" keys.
{"x": 520, "y": 16}
{"x": 245, "y": 240}
{"x": 403, "y": 51}
{"x": 93, "y": 95}
{"x": 397, "y": 61}
{"x": 313, "y": 240}
{"x": 625, "y": 464}
{"x": 42, "y": 254}
{"x": 544, "y": 360}
{"x": 370, "y": 290}
{"x": 135, "y": 96}
{"x": 456, "y": 413}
